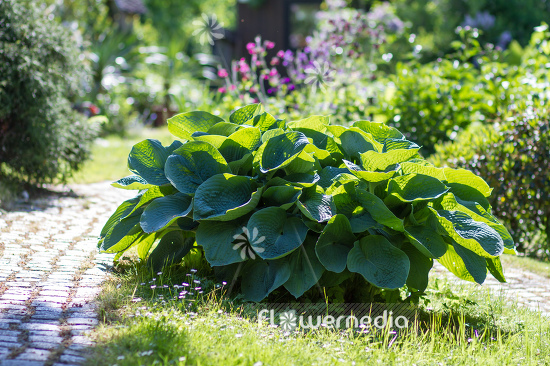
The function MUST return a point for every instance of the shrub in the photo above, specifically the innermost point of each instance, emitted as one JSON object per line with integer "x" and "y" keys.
{"x": 294, "y": 204}
{"x": 41, "y": 137}
{"x": 514, "y": 158}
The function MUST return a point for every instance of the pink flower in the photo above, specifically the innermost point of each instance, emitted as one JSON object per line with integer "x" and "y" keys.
{"x": 269, "y": 45}
{"x": 273, "y": 72}
{"x": 281, "y": 54}
{"x": 274, "y": 61}
{"x": 223, "y": 73}
{"x": 221, "y": 90}
{"x": 232, "y": 87}
{"x": 258, "y": 63}
{"x": 250, "y": 47}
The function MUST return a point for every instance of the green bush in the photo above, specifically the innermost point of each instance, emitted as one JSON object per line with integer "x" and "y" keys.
{"x": 41, "y": 137}
{"x": 514, "y": 158}
{"x": 432, "y": 102}
{"x": 295, "y": 204}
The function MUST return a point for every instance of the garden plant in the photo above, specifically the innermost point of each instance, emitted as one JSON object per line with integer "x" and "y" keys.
{"x": 294, "y": 204}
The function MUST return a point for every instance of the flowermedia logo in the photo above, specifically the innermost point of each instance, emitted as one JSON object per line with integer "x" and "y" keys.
{"x": 319, "y": 76}
{"x": 247, "y": 243}
{"x": 290, "y": 317}
{"x": 289, "y": 321}
{"x": 208, "y": 29}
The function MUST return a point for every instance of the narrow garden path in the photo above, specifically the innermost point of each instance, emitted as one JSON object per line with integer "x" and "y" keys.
{"x": 50, "y": 271}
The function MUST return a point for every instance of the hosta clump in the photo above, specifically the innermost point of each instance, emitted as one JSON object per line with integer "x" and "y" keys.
{"x": 289, "y": 205}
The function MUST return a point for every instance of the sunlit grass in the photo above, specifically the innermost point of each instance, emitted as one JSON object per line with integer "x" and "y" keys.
{"x": 146, "y": 322}
{"x": 110, "y": 155}
{"x": 531, "y": 264}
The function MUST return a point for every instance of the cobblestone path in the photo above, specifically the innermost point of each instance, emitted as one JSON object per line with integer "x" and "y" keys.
{"x": 50, "y": 271}
{"x": 526, "y": 288}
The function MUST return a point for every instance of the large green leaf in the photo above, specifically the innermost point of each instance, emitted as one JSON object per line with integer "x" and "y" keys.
{"x": 450, "y": 202}
{"x": 121, "y": 212}
{"x": 316, "y": 205}
{"x": 416, "y": 187}
{"x": 346, "y": 203}
{"x": 171, "y": 249}
{"x": 192, "y": 164}
{"x": 260, "y": 278}
{"x": 225, "y": 197}
{"x": 379, "y": 262}
{"x": 132, "y": 182}
{"x": 379, "y": 211}
{"x": 328, "y": 174}
{"x": 185, "y": 124}
{"x": 240, "y": 143}
{"x": 164, "y": 210}
{"x": 426, "y": 240}
{"x": 379, "y": 131}
{"x": 315, "y": 123}
{"x": 473, "y": 235}
{"x": 420, "y": 268}
{"x": 375, "y": 161}
{"x": 265, "y": 122}
{"x": 399, "y": 144}
{"x": 464, "y": 177}
{"x": 272, "y": 133}
{"x": 409, "y": 168}
{"x": 302, "y": 164}
{"x": 246, "y": 113}
{"x": 495, "y": 267}
{"x": 147, "y": 159}
{"x": 464, "y": 263}
{"x": 214, "y": 140}
{"x": 281, "y": 196}
{"x": 306, "y": 270}
{"x": 144, "y": 243}
{"x": 334, "y": 243}
{"x": 354, "y": 143}
{"x": 370, "y": 176}
{"x": 123, "y": 234}
{"x": 223, "y": 129}
{"x": 223, "y": 241}
{"x": 278, "y": 234}
{"x": 279, "y": 151}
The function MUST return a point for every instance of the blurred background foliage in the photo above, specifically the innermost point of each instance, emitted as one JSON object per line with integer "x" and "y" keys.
{"x": 466, "y": 79}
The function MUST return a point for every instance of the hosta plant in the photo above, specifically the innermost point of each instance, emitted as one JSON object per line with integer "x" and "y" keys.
{"x": 274, "y": 204}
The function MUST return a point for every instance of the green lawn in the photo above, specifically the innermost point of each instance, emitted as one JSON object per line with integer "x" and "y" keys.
{"x": 460, "y": 326}
{"x": 109, "y": 155}
{"x": 530, "y": 264}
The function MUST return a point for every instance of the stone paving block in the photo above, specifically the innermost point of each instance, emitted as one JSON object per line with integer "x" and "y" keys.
{"x": 39, "y": 327}
{"x": 33, "y": 354}
{"x": 72, "y": 359}
{"x": 15, "y": 297}
{"x": 45, "y": 333}
{"x": 45, "y": 338}
{"x": 21, "y": 363}
{"x": 9, "y": 333}
{"x": 8, "y": 339}
{"x": 49, "y": 346}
